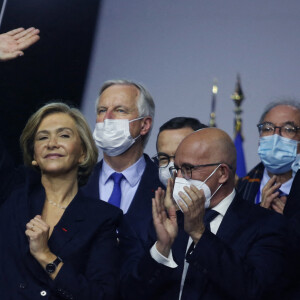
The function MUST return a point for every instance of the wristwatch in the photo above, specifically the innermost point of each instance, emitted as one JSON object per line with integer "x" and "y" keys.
{"x": 51, "y": 267}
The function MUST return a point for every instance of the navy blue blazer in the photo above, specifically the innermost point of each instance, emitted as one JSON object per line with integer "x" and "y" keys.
{"x": 85, "y": 239}
{"x": 139, "y": 214}
{"x": 292, "y": 214}
{"x": 243, "y": 261}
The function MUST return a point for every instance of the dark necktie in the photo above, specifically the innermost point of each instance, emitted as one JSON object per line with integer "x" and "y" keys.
{"x": 115, "y": 197}
{"x": 209, "y": 215}
{"x": 281, "y": 193}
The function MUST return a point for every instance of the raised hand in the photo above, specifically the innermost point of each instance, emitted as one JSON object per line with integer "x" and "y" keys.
{"x": 13, "y": 42}
{"x": 165, "y": 224}
{"x": 193, "y": 210}
{"x": 168, "y": 198}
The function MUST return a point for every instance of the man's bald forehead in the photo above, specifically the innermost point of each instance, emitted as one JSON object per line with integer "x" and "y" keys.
{"x": 211, "y": 143}
{"x": 207, "y": 136}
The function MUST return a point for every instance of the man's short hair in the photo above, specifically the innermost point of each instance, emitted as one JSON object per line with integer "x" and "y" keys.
{"x": 182, "y": 122}
{"x": 145, "y": 103}
{"x": 286, "y": 102}
{"x": 179, "y": 123}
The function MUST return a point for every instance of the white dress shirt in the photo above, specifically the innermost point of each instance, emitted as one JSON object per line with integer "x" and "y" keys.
{"x": 221, "y": 208}
{"x": 129, "y": 184}
{"x": 285, "y": 187}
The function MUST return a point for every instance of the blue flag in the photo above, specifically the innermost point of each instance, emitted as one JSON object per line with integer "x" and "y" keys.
{"x": 240, "y": 158}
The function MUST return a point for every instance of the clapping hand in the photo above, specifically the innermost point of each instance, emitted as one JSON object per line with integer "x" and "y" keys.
{"x": 193, "y": 209}
{"x": 165, "y": 222}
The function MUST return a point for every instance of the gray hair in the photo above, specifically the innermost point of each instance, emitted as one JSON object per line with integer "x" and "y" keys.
{"x": 145, "y": 103}
{"x": 287, "y": 102}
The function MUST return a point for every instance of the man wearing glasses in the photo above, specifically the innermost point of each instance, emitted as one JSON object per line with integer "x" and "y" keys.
{"x": 218, "y": 246}
{"x": 169, "y": 137}
{"x": 270, "y": 182}
{"x": 275, "y": 182}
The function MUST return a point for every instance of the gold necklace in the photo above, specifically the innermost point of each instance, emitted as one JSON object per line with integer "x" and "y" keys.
{"x": 56, "y": 204}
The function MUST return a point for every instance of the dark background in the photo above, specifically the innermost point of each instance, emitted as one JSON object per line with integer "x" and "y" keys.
{"x": 54, "y": 68}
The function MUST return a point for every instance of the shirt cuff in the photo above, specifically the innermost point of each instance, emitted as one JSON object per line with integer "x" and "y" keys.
{"x": 167, "y": 261}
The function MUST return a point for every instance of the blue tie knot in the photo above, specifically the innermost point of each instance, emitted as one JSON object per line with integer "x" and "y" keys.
{"x": 116, "y": 177}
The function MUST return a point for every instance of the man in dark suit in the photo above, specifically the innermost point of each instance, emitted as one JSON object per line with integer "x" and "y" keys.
{"x": 125, "y": 111}
{"x": 269, "y": 183}
{"x": 274, "y": 182}
{"x": 169, "y": 137}
{"x": 231, "y": 250}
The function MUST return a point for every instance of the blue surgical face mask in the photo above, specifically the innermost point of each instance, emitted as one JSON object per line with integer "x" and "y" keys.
{"x": 277, "y": 153}
{"x": 296, "y": 164}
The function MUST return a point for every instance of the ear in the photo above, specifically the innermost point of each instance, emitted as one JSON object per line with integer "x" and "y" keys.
{"x": 224, "y": 170}
{"x": 34, "y": 162}
{"x": 146, "y": 125}
{"x": 82, "y": 156}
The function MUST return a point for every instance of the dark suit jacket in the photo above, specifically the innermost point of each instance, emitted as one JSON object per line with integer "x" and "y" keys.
{"x": 249, "y": 185}
{"x": 292, "y": 214}
{"x": 139, "y": 214}
{"x": 248, "y": 188}
{"x": 85, "y": 239}
{"x": 243, "y": 261}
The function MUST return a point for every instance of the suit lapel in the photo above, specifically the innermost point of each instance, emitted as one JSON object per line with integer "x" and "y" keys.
{"x": 28, "y": 207}
{"x": 32, "y": 203}
{"x": 69, "y": 224}
{"x": 91, "y": 189}
{"x": 141, "y": 201}
{"x": 233, "y": 220}
{"x": 231, "y": 225}
{"x": 139, "y": 213}
{"x": 64, "y": 231}
{"x": 180, "y": 243}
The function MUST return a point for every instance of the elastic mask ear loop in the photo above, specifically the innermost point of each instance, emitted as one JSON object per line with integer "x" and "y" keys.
{"x": 216, "y": 191}
{"x": 212, "y": 175}
{"x": 213, "y": 172}
{"x": 139, "y": 118}
{"x": 137, "y": 137}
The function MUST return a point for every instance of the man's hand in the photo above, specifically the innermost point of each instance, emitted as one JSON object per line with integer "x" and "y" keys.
{"x": 168, "y": 197}
{"x": 278, "y": 204}
{"x": 270, "y": 199}
{"x": 193, "y": 209}
{"x": 37, "y": 232}
{"x": 13, "y": 42}
{"x": 165, "y": 225}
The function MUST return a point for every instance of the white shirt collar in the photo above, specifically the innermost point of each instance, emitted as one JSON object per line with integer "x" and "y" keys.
{"x": 132, "y": 174}
{"x": 222, "y": 207}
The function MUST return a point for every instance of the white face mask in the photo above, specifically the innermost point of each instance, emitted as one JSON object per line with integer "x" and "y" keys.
{"x": 180, "y": 183}
{"x": 113, "y": 136}
{"x": 164, "y": 173}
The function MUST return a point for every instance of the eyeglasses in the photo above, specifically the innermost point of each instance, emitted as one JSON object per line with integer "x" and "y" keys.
{"x": 288, "y": 130}
{"x": 163, "y": 159}
{"x": 187, "y": 170}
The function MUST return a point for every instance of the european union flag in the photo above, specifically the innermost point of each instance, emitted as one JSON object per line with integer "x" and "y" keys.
{"x": 240, "y": 158}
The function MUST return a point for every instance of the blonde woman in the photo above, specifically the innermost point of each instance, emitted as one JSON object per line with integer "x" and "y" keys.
{"x": 55, "y": 242}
